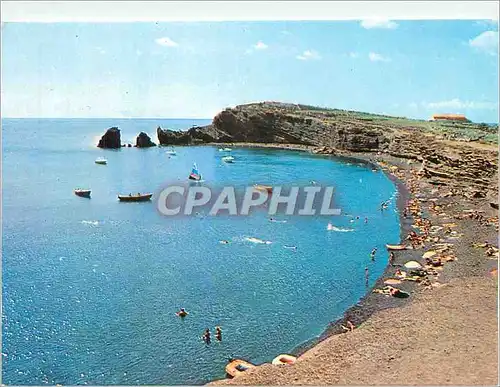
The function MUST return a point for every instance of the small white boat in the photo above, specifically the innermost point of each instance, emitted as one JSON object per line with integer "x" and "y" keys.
{"x": 225, "y": 149}
{"x": 228, "y": 159}
{"x": 171, "y": 152}
{"x": 101, "y": 161}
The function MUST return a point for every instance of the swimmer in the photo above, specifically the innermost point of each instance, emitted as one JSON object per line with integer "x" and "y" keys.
{"x": 366, "y": 220}
{"x": 182, "y": 313}
{"x": 206, "y": 336}
{"x": 218, "y": 333}
{"x": 372, "y": 254}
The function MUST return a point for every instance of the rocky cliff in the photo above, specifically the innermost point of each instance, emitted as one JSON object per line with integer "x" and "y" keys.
{"x": 111, "y": 139}
{"x": 452, "y": 153}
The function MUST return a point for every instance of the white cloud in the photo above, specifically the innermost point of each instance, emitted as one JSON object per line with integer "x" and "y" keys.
{"x": 285, "y": 32}
{"x": 486, "y": 41}
{"x": 167, "y": 42}
{"x": 354, "y": 55}
{"x": 309, "y": 55}
{"x": 260, "y": 46}
{"x": 138, "y": 52}
{"x": 456, "y": 103}
{"x": 374, "y": 57}
{"x": 379, "y": 23}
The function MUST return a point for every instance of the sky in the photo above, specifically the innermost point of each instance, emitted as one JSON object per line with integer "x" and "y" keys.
{"x": 196, "y": 69}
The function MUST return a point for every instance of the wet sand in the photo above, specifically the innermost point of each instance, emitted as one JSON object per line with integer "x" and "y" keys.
{"x": 444, "y": 333}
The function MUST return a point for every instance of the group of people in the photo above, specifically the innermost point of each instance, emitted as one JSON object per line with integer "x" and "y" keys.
{"x": 207, "y": 336}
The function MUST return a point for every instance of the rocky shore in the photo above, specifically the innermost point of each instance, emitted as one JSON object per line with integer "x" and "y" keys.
{"x": 446, "y": 331}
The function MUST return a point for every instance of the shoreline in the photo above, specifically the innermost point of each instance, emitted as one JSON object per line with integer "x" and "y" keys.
{"x": 371, "y": 303}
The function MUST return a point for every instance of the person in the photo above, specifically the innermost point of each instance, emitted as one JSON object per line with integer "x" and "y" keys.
{"x": 218, "y": 333}
{"x": 366, "y": 275}
{"x": 372, "y": 254}
{"x": 392, "y": 257}
{"x": 182, "y": 313}
{"x": 366, "y": 220}
{"x": 224, "y": 242}
{"x": 206, "y": 336}
{"x": 350, "y": 326}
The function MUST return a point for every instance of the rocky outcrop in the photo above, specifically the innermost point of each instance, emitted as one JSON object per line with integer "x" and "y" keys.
{"x": 450, "y": 158}
{"x": 144, "y": 141}
{"x": 111, "y": 139}
{"x": 195, "y": 135}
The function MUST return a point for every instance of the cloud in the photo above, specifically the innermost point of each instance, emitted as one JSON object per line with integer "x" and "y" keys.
{"x": 354, "y": 55}
{"x": 456, "y": 103}
{"x": 309, "y": 55}
{"x": 379, "y": 23}
{"x": 374, "y": 57}
{"x": 486, "y": 41}
{"x": 167, "y": 42}
{"x": 260, "y": 46}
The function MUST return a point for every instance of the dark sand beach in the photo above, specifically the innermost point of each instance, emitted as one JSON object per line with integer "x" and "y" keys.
{"x": 444, "y": 333}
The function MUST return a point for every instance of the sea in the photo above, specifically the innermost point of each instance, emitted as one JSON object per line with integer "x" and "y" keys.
{"x": 91, "y": 286}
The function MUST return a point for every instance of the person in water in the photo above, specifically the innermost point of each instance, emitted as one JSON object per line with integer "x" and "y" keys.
{"x": 366, "y": 275}
{"x": 182, "y": 313}
{"x": 206, "y": 336}
{"x": 218, "y": 333}
{"x": 372, "y": 254}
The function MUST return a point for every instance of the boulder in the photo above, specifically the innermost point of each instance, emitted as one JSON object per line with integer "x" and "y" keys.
{"x": 111, "y": 139}
{"x": 144, "y": 141}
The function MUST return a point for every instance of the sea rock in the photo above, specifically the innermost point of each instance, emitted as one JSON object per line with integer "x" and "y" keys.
{"x": 144, "y": 141}
{"x": 111, "y": 139}
{"x": 195, "y": 135}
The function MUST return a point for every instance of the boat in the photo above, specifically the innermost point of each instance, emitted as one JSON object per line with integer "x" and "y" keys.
{"x": 225, "y": 149}
{"x": 267, "y": 188}
{"x": 135, "y": 198}
{"x": 396, "y": 247}
{"x": 284, "y": 359}
{"x": 171, "y": 152}
{"x": 101, "y": 161}
{"x": 195, "y": 174}
{"x": 237, "y": 367}
{"x": 228, "y": 159}
{"x": 84, "y": 193}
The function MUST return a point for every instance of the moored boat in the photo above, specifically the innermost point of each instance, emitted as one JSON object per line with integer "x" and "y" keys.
{"x": 228, "y": 159}
{"x": 284, "y": 359}
{"x": 84, "y": 193}
{"x": 135, "y": 198}
{"x": 101, "y": 161}
{"x": 267, "y": 188}
{"x": 237, "y": 367}
{"x": 396, "y": 247}
{"x": 171, "y": 152}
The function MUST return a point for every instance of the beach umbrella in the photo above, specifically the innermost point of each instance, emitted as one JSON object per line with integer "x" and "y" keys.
{"x": 413, "y": 265}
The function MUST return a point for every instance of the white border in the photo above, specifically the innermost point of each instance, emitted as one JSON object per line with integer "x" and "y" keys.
{"x": 123, "y": 11}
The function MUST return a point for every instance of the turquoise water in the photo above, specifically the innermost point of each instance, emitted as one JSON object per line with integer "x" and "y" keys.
{"x": 91, "y": 287}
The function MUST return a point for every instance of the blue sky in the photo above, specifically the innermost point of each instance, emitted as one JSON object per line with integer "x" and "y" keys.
{"x": 166, "y": 69}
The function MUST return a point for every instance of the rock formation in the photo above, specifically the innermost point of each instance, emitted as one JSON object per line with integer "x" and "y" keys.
{"x": 110, "y": 139}
{"x": 195, "y": 135}
{"x": 144, "y": 141}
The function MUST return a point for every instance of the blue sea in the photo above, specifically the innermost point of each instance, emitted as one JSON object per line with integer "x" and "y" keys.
{"x": 91, "y": 287}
